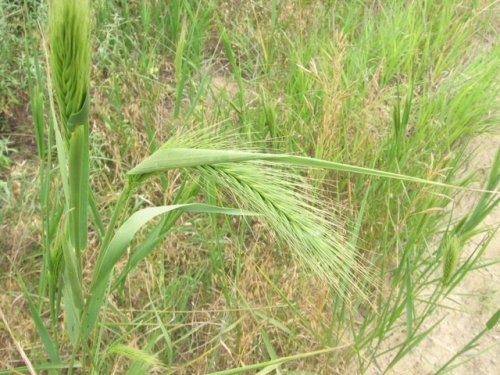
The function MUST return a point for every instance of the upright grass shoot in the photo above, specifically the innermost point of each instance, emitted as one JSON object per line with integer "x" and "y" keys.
{"x": 69, "y": 33}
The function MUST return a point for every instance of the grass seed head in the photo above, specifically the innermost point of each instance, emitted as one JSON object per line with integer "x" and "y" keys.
{"x": 69, "y": 41}
{"x": 289, "y": 205}
{"x": 450, "y": 259}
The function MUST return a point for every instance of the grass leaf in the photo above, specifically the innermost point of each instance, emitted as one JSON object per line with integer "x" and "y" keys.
{"x": 171, "y": 158}
{"x": 121, "y": 241}
{"x": 50, "y": 347}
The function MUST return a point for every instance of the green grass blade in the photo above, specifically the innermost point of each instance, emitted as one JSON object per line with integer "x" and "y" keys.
{"x": 493, "y": 321}
{"x": 118, "y": 245}
{"x": 172, "y": 158}
{"x": 42, "y": 367}
{"x": 411, "y": 343}
{"x": 99, "y": 226}
{"x": 180, "y": 77}
{"x": 48, "y": 343}
{"x": 159, "y": 232}
{"x": 71, "y": 312}
{"x": 72, "y": 275}
{"x": 126, "y": 232}
{"x": 78, "y": 183}
{"x": 490, "y": 324}
{"x": 235, "y": 68}
{"x": 144, "y": 249}
{"x": 273, "y": 362}
{"x": 61, "y": 154}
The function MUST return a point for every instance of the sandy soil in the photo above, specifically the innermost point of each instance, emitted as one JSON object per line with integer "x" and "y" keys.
{"x": 476, "y": 299}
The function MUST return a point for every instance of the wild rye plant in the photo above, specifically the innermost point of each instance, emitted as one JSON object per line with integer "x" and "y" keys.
{"x": 258, "y": 182}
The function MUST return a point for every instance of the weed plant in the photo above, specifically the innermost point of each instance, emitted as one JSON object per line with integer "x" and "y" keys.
{"x": 381, "y": 100}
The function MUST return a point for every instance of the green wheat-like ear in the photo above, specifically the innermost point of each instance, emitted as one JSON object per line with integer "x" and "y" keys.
{"x": 289, "y": 204}
{"x": 451, "y": 257}
{"x": 69, "y": 39}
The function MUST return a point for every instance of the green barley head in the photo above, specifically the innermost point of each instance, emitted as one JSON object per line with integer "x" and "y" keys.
{"x": 450, "y": 259}
{"x": 290, "y": 205}
{"x": 69, "y": 36}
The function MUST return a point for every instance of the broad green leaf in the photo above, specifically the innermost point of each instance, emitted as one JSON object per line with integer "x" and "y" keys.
{"x": 172, "y": 158}
{"x": 119, "y": 243}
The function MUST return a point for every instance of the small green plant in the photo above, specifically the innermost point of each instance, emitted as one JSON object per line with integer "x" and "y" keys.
{"x": 5, "y": 151}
